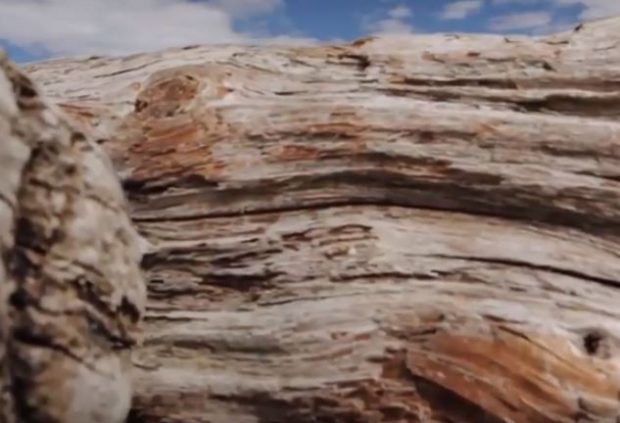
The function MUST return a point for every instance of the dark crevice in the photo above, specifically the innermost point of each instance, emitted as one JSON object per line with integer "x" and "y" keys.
{"x": 442, "y": 187}
{"x": 165, "y": 182}
{"x": 362, "y": 61}
{"x": 7, "y": 202}
{"x": 610, "y": 178}
{"x": 21, "y": 299}
{"x": 143, "y": 416}
{"x": 129, "y": 309}
{"x": 573, "y": 105}
{"x": 20, "y": 264}
{"x": 229, "y": 260}
{"x": 86, "y": 291}
{"x": 27, "y": 337}
{"x": 27, "y": 91}
{"x": 111, "y": 340}
{"x": 592, "y": 342}
{"x": 547, "y": 82}
{"x": 556, "y": 218}
{"x": 241, "y": 283}
{"x": 570, "y": 105}
{"x": 378, "y": 275}
{"x": 140, "y": 105}
{"x": 23, "y": 87}
{"x": 610, "y": 283}
{"x": 28, "y": 236}
{"x": 122, "y": 71}
{"x": 487, "y": 197}
{"x": 500, "y": 83}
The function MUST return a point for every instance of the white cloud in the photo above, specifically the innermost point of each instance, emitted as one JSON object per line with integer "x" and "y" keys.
{"x": 515, "y": 1}
{"x": 593, "y": 9}
{"x": 394, "y": 21}
{"x": 399, "y": 12}
{"x": 461, "y": 9}
{"x": 521, "y": 21}
{"x": 66, "y": 27}
{"x": 550, "y": 20}
{"x": 240, "y": 8}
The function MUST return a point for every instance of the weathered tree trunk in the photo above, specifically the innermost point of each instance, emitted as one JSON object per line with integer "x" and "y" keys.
{"x": 404, "y": 229}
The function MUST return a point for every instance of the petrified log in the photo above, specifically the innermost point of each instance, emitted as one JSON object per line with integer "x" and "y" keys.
{"x": 400, "y": 229}
{"x": 72, "y": 292}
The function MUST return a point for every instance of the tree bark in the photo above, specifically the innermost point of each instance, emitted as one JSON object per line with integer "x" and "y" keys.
{"x": 400, "y": 229}
{"x": 72, "y": 292}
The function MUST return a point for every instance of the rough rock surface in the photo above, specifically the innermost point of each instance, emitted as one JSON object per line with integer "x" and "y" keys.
{"x": 401, "y": 229}
{"x": 72, "y": 289}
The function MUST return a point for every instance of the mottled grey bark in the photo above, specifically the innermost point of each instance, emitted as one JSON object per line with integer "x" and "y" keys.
{"x": 72, "y": 290}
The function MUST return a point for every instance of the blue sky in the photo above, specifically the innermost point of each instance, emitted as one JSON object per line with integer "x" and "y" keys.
{"x": 38, "y": 29}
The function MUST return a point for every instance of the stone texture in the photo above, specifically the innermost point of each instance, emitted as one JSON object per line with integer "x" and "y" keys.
{"x": 400, "y": 229}
{"x": 72, "y": 289}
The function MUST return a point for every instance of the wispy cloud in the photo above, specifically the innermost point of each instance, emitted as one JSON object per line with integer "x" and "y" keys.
{"x": 66, "y": 27}
{"x": 399, "y": 12}
{"x": 241, "y": 8}
{"x": 550, "y": 19}
{"x": 590, "y": 9}
{"x": 524, "y": 2}
{"x": 392, "y": 21}
{"x": 69, "y": 27}
{"x": 521, "y": 21}
{"x": 461, "y": 9}
{"x": 593, "y": 8}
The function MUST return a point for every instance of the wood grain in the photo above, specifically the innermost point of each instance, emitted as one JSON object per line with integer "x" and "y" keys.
{"x": 401, "y": 229}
